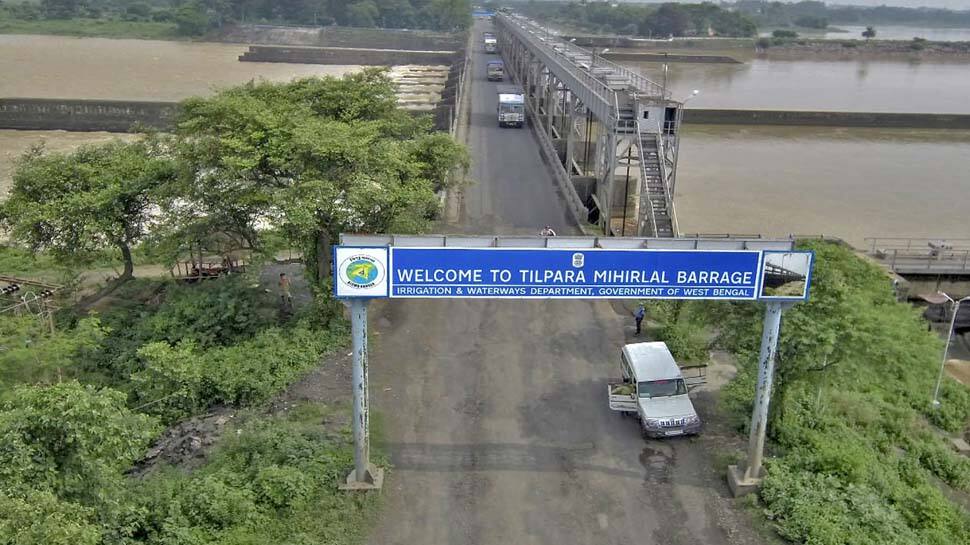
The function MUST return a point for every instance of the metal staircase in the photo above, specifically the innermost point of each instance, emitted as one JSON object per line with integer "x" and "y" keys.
{"x": 656, "y": 204}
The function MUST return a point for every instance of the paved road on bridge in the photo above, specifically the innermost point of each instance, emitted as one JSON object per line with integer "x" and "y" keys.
{"x": 495, "y": 413}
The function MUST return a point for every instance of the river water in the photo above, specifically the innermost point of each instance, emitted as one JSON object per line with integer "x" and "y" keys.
{"x": 850, "y": 183}
{"x": 850, "y": 85}
{"x": 63, "y": 67}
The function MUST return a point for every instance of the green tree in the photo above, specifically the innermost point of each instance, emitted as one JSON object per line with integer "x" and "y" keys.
{"x": 809, "y": 21}
{"x": 315, "y": 157}
{"x": 451, "y": 15}
{"x": 61, "y": 9}
{"x": 94, "y": 198}
{"x": 138, "y": 11}
{"x": 784, "y": 34}
{"x": 668, "y": 20}
{"x": 191, "y": 19}
{"x": 363, "y": 13}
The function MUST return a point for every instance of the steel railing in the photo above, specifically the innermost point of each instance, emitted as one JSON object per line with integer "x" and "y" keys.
{"x": 668, "y": 193}
{"x": 641, "y": 84}
{"x": 645, "y": 186}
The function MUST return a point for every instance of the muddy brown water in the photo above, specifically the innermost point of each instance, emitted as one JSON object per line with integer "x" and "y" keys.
{"x": 889, "y": 85}
{"x": 64, "y": 67}
{"x": 851, "y": 183}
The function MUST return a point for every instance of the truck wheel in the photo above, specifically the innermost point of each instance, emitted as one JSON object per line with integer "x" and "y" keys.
{"x": 643, "y": 429}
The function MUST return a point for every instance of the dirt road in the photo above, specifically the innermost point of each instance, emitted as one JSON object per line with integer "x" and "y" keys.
{"x": 495, "y": 411}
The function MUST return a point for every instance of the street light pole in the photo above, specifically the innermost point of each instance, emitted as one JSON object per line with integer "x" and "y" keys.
{"x": 946, "y": 347}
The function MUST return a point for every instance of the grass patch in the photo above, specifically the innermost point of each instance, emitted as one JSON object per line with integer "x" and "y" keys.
{"x": 90, "y": 28}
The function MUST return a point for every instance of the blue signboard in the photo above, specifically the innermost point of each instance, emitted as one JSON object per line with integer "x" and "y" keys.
{"x": 568, "y": 273}
{"x": 559, "y": 273}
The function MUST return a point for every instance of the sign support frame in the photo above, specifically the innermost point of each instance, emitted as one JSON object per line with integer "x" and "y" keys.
{"x": 365, "y": 475}
{"x": 748, "y": 479}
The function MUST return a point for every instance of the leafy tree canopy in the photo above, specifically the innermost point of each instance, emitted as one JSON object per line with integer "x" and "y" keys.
{"x": 94, "y": 198}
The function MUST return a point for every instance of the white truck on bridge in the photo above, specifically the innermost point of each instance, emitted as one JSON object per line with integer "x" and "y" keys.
{"x": 491, "y": 44}
{"x": 495, "y": 70}
{"x": 511, "y": 106}
{"x": 655, "y": 388}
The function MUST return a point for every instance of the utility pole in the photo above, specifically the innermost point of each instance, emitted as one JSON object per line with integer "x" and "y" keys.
{"x": 946, "y": 347}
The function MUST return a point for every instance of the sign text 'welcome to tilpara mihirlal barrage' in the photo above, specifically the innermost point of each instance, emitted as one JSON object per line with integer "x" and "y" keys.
{"x": 547, "y": 273}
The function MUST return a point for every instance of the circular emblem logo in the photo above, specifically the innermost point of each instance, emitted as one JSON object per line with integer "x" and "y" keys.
{"x": 361, "y": 271}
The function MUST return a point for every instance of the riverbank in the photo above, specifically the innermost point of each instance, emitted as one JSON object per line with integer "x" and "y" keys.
{"x": 854, "y": 49}
{"x": 91, "y": 28}
{"x": 807, "y": 48}
{"x": 330, "y": 36}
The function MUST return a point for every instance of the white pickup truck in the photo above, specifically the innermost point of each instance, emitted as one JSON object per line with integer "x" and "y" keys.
{"x": 654, "y": 388}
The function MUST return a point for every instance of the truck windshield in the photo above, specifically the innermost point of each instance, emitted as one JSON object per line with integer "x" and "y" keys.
{"x": 662, "y": 388}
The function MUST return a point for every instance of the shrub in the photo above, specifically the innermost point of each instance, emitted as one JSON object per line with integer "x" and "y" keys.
{"x": 784, "y": 34}
{"x": 70, "y": 439}
{"x": 275, "y": 481}
{"x": 216, "y": 504}
{"x": 40, "y": 518}
{"x": 686, "y": 341}
{"x": 30, "y": 354}
{"x": 176, "y": 381}
{"x": 215, "y": 313}
{"x": 281, "y": 487}
{"x": 210, "y": 314}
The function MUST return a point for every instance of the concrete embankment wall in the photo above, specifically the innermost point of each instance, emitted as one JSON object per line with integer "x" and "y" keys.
{"x": 84, "y": 115}
{"x": 447, "y": 108}
{"x": 626, "y": 42}
{"x": 661, "y": 57}
{"x": 339, "y": 55}
{"x": 341, "y": 37}
{"x": 120, "y": 115}
{"x": 703, "y": 116}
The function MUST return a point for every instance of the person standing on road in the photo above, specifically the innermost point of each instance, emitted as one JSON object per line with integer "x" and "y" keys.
{"x": 285, "y": 296}
{"x": 638, "y": 315}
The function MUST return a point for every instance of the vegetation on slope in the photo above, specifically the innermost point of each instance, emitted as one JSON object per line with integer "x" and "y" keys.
{"x": 854, "y": 455}
{"x": 80, "y": 406}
